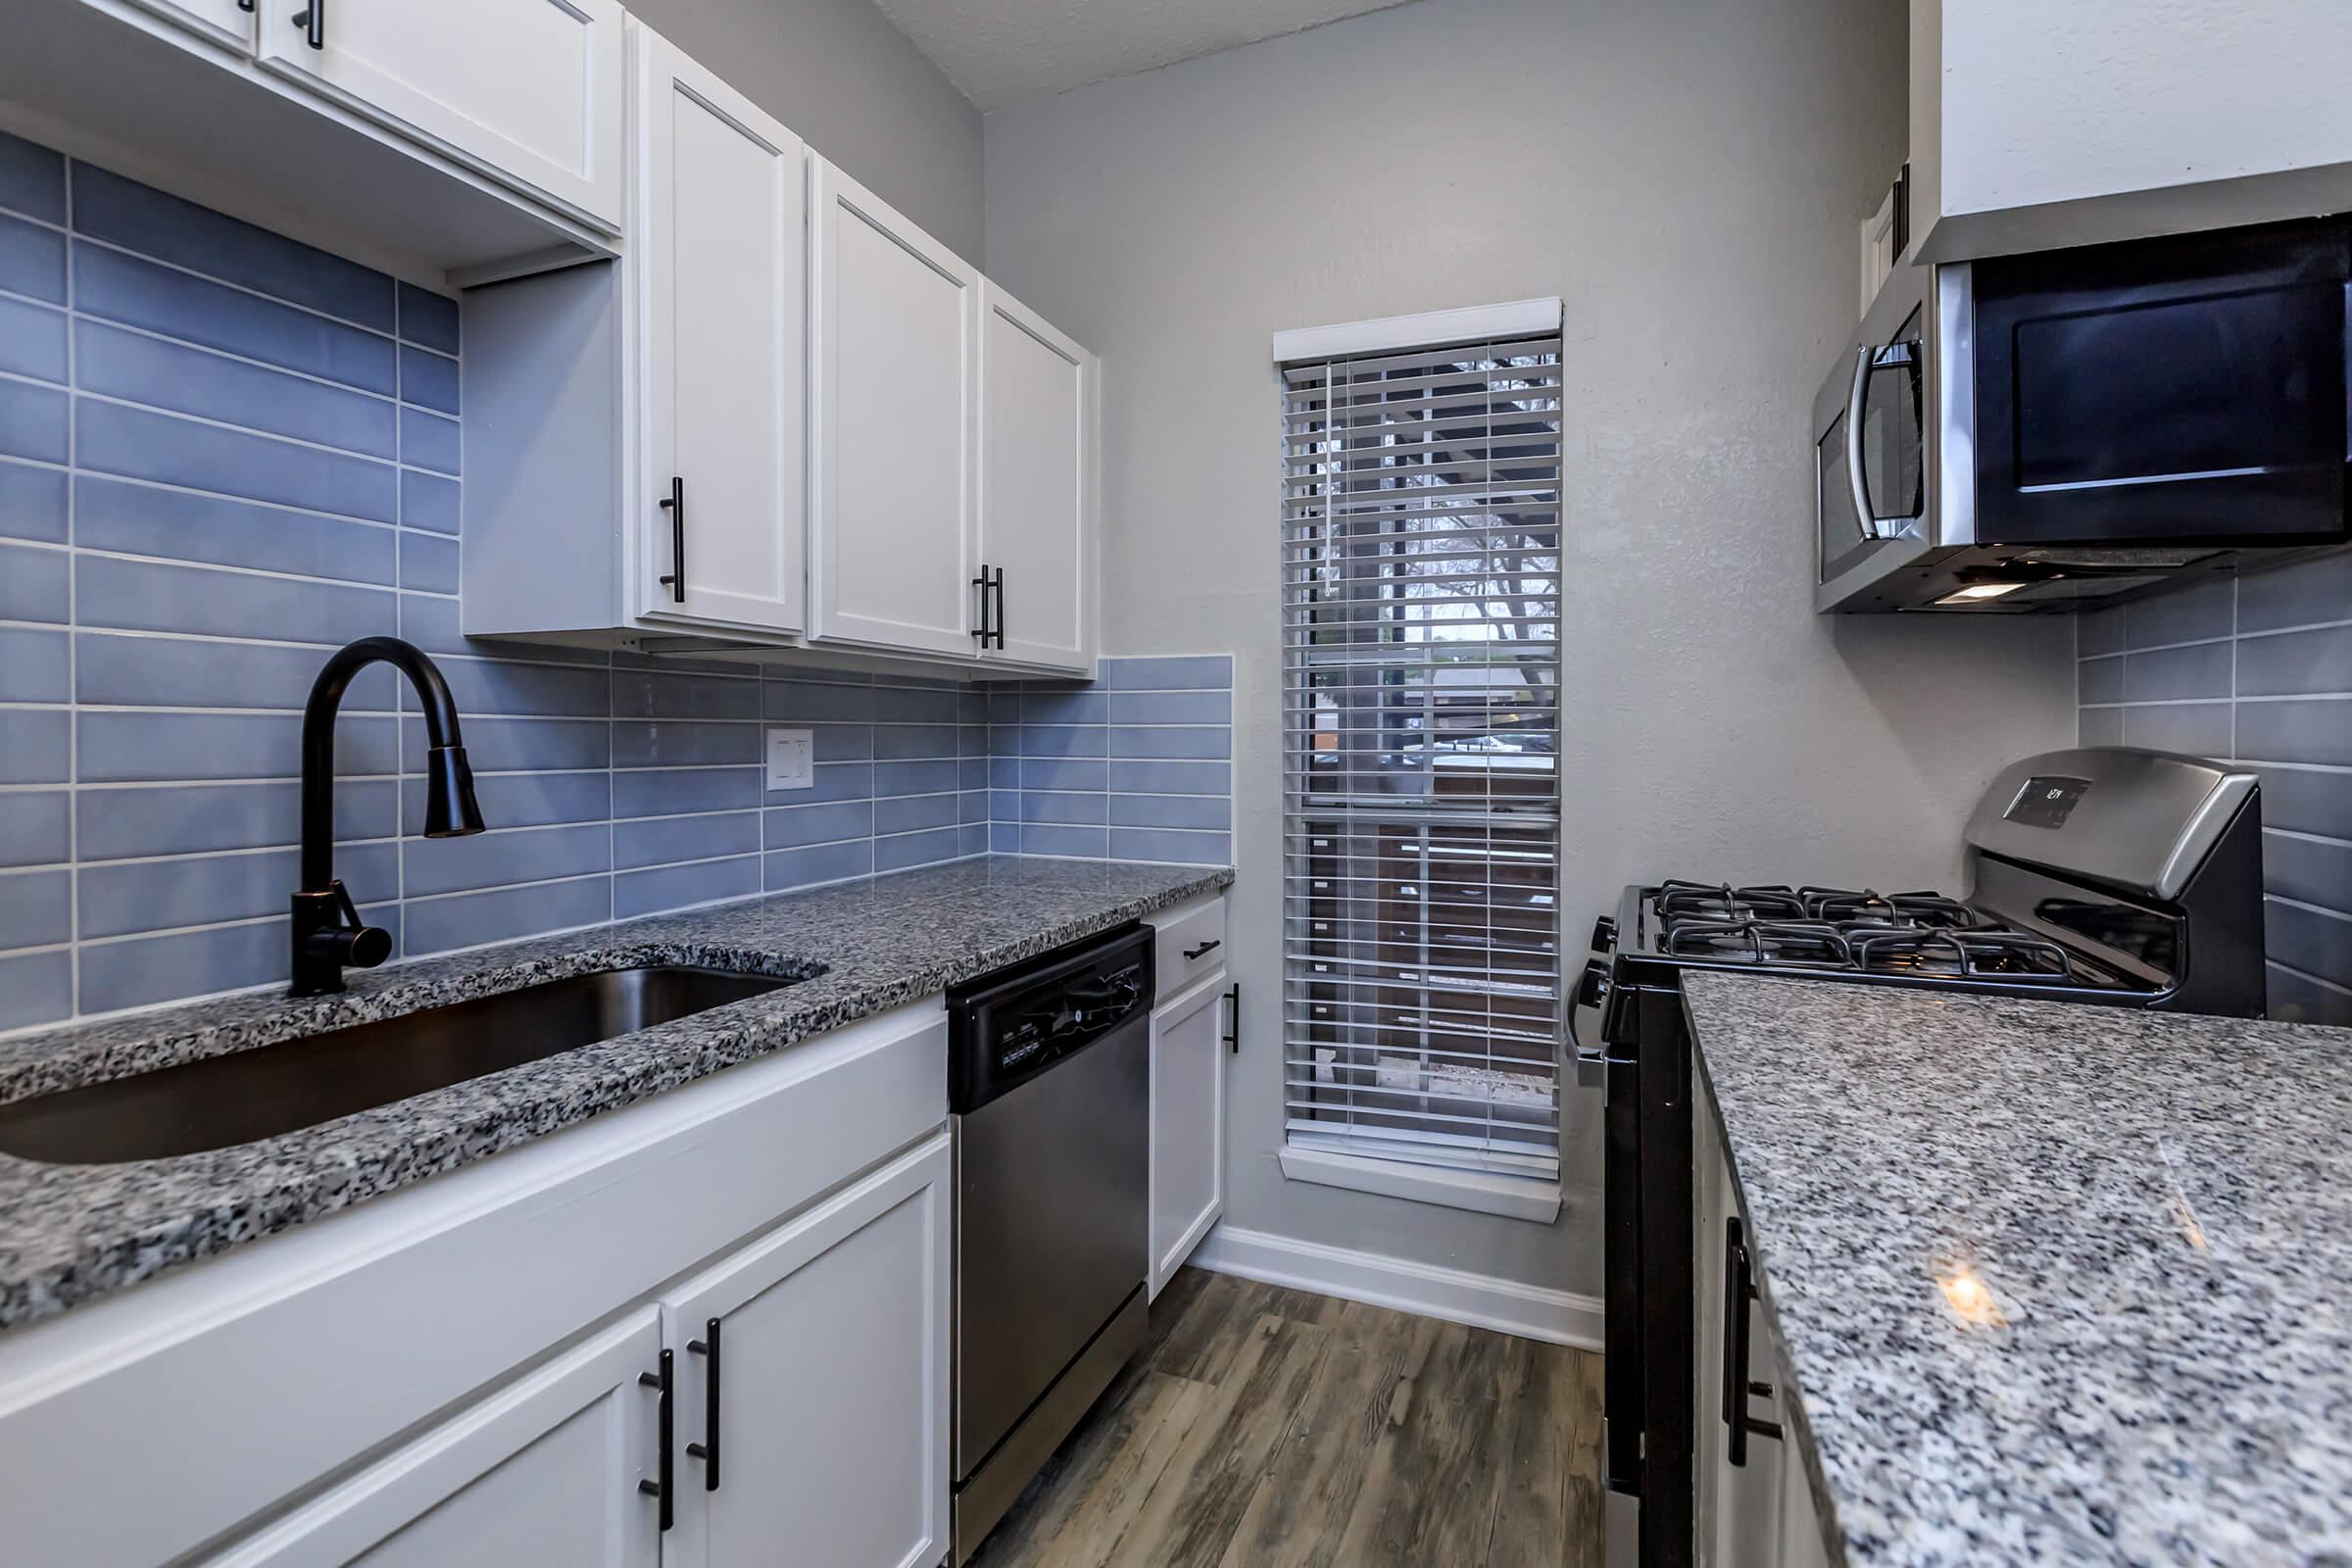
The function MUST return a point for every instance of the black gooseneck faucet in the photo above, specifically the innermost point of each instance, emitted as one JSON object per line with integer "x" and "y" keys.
{"x": 327, "y": 931}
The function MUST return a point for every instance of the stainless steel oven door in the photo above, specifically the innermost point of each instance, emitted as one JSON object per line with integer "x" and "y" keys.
{"x": 1892, "y": 466}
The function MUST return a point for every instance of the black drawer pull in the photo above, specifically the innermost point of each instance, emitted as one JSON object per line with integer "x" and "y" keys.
{"x": 1204, "y": 948}
{"x": 707, "y": 1450}
{"x": 665, "y": 1487}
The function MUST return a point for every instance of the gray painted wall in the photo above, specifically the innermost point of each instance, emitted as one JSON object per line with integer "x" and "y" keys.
{"x": 855, "y": 89}
{"x": 1688, "y": 175}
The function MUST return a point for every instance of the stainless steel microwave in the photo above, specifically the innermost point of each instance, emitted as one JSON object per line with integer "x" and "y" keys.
{"x": 2038, "y": 433}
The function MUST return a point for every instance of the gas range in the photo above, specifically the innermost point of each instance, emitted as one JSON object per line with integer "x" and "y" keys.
{"x": 2118, "y": 877}
{"x": 1924, "y": 939}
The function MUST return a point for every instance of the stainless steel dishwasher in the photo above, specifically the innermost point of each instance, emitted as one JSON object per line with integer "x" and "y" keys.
{"x": 1050, "y": 1089}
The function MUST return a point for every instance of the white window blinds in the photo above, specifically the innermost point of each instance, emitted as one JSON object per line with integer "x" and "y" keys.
{"x": 1421, "y": 557}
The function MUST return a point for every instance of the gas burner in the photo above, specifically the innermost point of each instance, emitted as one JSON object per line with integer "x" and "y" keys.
{"x": 1677, "y": 901}
{"x": 1796, "y": 941}
{"x": 1977, "y": 954}
{"x": 1931, "y": 911}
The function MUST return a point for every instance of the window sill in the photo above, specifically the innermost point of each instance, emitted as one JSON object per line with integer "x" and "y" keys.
{"x": 1511, "y": 1197}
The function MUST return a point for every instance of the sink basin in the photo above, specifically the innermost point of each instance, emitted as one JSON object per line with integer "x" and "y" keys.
{"x": 225, "y": 1100}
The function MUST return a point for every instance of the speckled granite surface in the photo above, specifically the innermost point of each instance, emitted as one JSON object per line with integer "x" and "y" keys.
{"x": 69, "y": 1233}
{"x": 2058, "y": 1284}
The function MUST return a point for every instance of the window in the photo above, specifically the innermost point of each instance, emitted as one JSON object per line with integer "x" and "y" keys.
{"x": 1420, "y": 611}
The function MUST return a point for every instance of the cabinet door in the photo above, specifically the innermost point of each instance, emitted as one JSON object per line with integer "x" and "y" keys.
{"x": 831, "y": 1435}
{"x": 1037, "y": 483}
{"x": 1187, "y": 1124}
{"x": 1735, "y": 1512}
{"x": 228, "y": 22}
{"x": 720, "y": 239}
{"x": 894, "y": 336}
{"x": 543, "y": 1474}
{"x": 529, "y": 91}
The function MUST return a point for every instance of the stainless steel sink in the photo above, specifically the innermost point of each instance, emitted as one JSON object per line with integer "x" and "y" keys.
{"x": 250, "y": 1094}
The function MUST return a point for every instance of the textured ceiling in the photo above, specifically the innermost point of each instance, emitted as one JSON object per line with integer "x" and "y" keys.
{"x": 1000, "y": 52}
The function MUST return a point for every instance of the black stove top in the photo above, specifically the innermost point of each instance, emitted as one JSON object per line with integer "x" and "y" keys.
{"x": 1857, "y": 933}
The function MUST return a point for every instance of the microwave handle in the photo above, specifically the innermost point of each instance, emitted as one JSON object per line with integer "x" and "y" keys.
{"x": 1867, "y": 357}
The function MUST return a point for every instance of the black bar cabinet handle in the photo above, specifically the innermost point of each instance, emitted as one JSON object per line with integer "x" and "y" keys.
{"x": 675, "y": 505}
{"x": 312, "y": 20}
{"x": 664, "y": 1488}
{"x": 707, "y": 1450}
{"x": 1233, "y": 1036}
{"x": 1208, "y": 946}
{"x": 991, "y": 630}
{"x": 1739, "y": 1289}
{"x": 245, "y": 5}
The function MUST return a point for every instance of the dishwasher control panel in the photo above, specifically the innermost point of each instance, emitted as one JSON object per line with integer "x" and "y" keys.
{"x": 1007, "y": 1027}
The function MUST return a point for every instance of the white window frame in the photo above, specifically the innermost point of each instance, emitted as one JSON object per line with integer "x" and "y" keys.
{"x": 1357, "y": 1165}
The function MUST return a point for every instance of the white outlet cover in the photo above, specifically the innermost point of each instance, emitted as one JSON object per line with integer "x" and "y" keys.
{"x": 791, "y": 759}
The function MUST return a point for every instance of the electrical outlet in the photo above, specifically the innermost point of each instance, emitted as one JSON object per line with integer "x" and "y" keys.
{"x": 791, "y": 759}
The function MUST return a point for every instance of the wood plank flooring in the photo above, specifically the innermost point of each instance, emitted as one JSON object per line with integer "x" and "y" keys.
{"x": 1266, "y": 1428}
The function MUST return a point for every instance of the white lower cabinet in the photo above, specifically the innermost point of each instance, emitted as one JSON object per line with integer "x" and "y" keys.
{"x": 811, "y": 1376}
{"x": 1753, "y": 1507}
{"x": 465, "y": 1373}
{"x": 545, "y": 1472}
{"x": 1188, "y": 1123}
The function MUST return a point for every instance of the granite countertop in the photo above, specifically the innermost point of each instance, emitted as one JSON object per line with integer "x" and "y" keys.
{"x": 69, "y": 1233}
{"x": 2057, "y": 1284}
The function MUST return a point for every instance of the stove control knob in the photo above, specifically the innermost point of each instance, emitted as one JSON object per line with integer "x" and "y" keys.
{"x": 1604, "y": 935}
{"x": 1593, "y": 988}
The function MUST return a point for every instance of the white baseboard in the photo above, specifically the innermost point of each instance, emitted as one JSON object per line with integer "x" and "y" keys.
{"x": 1531, "y": 1311}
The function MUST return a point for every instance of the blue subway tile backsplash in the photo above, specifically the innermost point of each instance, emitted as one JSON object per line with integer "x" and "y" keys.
{"x": 2255, "y": 668}
{"x": 224, "y": 453}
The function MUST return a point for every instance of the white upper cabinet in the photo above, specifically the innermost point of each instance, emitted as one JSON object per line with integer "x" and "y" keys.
{"x": 720, "y": 233}
{"x": 226, "y": 22}
{"x": 894, "y": 345}
{"x": 2035, "y": 126}
{"x": 1037, "y": 486}
{"x": 529, "y": 91}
